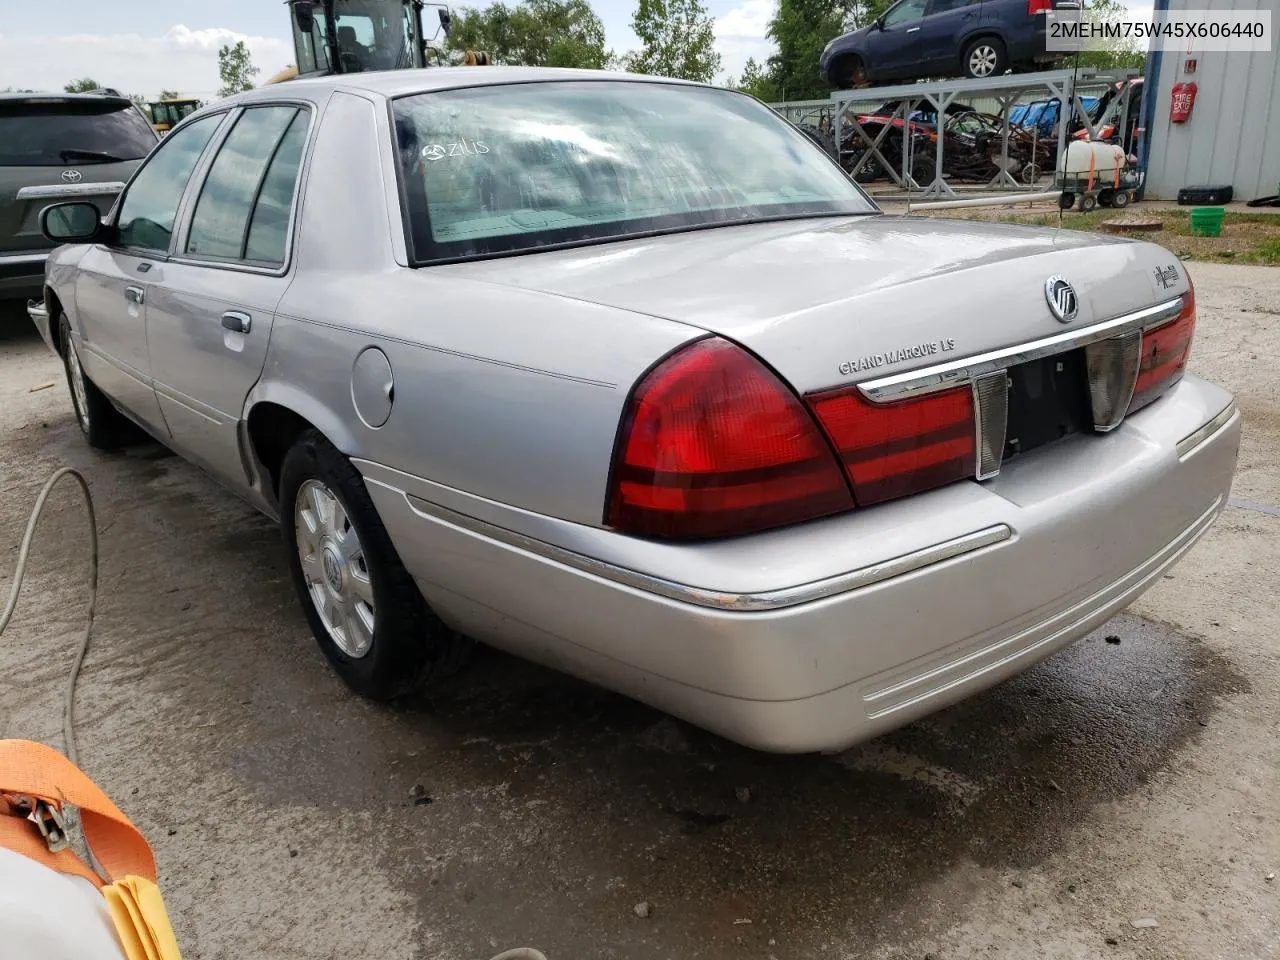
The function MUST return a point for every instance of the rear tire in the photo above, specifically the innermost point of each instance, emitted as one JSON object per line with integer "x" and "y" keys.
{"x": 1087, "y": 202}
{"x": 924, "y": 165}
{"x": 984, "y": 57}
{"x": 1120, "y": 200}
{"x": 103, "y": 426}
{"x": 362, "y": 605}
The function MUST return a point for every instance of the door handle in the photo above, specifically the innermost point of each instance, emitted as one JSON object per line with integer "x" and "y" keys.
{"x": 237, "y": 322}
{"x": 913, "y": 29}
{"x": 135, "y": 295}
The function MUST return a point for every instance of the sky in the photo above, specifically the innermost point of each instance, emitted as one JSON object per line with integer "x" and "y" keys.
{"x": 145, "y": 46}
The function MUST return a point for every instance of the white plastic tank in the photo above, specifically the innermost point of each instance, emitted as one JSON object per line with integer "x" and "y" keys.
{"x": 1075, "y": 160}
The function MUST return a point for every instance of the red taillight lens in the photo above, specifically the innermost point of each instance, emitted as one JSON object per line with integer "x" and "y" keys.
{"x": 1038, "y": 6}
{"x": 713, "y": 444}
{"x": 892, "y": 450}
{"x": 1165, "y": 351}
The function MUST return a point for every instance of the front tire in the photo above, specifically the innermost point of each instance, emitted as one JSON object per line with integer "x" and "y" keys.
{"x": 984, "y": 57}
{"x": 363, "y": 607}
{"x": 103, "y": 426}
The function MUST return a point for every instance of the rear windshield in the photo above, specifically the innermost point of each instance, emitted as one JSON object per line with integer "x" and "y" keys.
{"x": 38, "y": 133}
{"x": 498, "y": 169}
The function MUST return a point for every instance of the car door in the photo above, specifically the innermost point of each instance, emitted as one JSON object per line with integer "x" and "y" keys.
{"x": 114, "y": 278}
{"x": 943, "y": 30}
{"x": 209, "y": 316}
{"x": 894, "y": 48}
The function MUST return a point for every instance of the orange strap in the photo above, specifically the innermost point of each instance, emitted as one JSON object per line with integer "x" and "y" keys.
{"x": 34, "y": 770}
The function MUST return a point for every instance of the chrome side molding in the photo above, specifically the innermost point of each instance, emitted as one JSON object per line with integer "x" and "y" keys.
{"x": 715, "y": 599}
{"x": 1193, "y": 440}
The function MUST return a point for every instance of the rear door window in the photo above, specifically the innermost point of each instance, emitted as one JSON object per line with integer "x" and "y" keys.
{"x": 220, "y": 225}
{"x": 269, "y": 227}
{"x": 39, "y": 132}
{"x": 150, "y": 206}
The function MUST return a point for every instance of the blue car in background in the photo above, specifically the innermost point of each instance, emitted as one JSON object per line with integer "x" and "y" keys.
{"x": 917, "y": 39}
{"x": 1042, "y": 115}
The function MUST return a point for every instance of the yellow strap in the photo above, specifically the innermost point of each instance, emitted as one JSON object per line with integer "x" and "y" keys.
{"x": 141, "y": 920}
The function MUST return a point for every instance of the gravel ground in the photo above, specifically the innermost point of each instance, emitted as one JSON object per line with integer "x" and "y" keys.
{"x": 1117, "y": 782}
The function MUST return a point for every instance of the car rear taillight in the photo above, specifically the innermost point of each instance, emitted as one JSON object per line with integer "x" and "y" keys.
{"x": 895, "y": 449}
{"x": 713, "y": 444}
{"x": 1038, "y": 6}
{"x": 1165, "y": 351}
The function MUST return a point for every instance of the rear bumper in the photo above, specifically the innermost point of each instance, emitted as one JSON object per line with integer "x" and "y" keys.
{"x": 22, "y": 275}
{"x": 1057, "y": 544}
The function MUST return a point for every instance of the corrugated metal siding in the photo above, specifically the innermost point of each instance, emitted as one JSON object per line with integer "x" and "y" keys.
{"x": 1233, "y": 135}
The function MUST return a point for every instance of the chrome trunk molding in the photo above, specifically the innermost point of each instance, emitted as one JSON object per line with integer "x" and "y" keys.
{"x": 956, "y": 373}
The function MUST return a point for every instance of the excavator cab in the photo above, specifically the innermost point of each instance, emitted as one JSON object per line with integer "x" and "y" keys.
{"x": 352, "y": 36}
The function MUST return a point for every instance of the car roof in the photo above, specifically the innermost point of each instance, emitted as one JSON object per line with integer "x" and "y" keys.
{"x": 48, "y": 97}
{"x": 399, "y": 83}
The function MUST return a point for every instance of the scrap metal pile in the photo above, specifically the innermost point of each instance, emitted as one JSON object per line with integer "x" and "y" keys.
{"x": 973, "y": 145}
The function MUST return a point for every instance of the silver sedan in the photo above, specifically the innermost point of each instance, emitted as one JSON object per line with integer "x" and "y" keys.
{"x": 625, "y": 376}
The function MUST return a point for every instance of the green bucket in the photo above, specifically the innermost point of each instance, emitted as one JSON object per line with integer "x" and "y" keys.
{"x": 1207, "y": 221}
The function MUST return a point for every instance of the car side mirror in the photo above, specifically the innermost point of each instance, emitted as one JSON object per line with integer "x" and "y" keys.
{"x": 446, "y": 20}
{"x": 73, "y": 222}
{"x": 304, "y": 16}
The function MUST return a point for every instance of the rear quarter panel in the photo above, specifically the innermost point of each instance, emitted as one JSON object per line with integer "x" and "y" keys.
{"x": 508, "y": 395}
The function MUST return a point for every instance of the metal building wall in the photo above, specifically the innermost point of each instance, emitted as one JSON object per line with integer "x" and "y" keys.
{"x": 1233, "y": 135}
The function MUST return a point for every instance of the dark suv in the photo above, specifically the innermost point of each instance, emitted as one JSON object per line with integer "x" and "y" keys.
{"x": 59, "y": 147}
{"x": 915, "y": 39}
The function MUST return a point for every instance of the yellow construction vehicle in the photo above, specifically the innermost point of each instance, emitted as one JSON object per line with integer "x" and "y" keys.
{"x": 166, "y": 114}
{"x": 351, "y": 36}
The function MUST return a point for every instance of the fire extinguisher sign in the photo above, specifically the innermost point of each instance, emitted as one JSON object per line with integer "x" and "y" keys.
{"x": 1183, "y": 99}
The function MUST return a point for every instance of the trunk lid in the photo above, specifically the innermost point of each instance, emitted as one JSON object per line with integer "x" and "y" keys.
{"x": 57, "y": 148}
{"x": 829, "y": 302}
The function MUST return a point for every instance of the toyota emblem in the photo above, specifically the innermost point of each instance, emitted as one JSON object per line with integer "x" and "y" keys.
{"x": 72, "y": 176}
{"x": 1064, "y": 304}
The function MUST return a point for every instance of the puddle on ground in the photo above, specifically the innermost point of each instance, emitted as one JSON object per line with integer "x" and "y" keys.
{"x": 556, "y": 806}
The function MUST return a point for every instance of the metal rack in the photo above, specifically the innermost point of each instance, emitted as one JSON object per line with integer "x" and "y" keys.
{"x": 1065, "y": 86}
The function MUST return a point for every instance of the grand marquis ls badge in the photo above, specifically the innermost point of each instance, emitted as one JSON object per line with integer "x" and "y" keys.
{"x": 1063, "y": 302}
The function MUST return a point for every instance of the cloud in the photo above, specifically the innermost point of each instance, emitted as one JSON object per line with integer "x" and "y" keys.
{"x": 740, "y": 34}
{"x": 180, "y": 59}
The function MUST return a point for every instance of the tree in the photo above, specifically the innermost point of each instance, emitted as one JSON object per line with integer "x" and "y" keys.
{"x": 235, "y": 67}
{"x": 678, "y": 40}
{"x": 1118, "y": 53}
{"x": 170, "y": 95}
{"x": 83, "y": 85}
{"x": 801, "y": 29}
{"x": 535, "y": 33}
{"x": 756, "y": 81}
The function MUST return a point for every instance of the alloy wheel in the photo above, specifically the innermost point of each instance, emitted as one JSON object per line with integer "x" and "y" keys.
{"x": 983, "y": 60}
{"x": 79, "y": 395}
{"x": 335, "y": 568}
